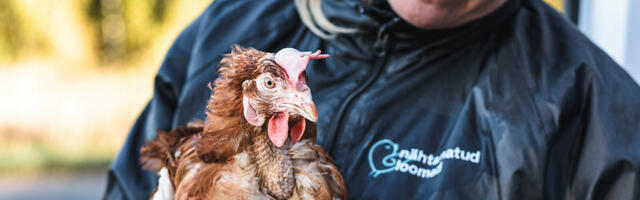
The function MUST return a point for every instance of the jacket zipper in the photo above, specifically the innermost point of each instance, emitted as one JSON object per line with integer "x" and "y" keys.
{"x": 381, "y": 47}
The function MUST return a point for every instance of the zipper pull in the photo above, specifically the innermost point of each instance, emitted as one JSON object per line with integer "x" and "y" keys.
{"x": 382, "y": 39}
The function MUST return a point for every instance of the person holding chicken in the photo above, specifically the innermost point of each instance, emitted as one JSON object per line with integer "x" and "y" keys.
{"x": 423, "y": 99}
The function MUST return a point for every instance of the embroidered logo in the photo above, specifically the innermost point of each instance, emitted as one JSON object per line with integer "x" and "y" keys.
{"x": 414, "y": 161}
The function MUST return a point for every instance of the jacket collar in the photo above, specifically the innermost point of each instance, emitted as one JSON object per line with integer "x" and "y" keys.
{"x": 370, "y": 18}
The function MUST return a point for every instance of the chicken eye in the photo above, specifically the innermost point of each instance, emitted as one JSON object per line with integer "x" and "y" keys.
{"x": 268, "y": 83}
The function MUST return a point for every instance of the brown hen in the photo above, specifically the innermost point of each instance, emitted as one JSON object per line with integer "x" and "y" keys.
{"x": 234, "y": 154}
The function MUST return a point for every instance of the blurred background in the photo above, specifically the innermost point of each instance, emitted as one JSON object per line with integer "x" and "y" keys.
{"x": 75, "y": 74}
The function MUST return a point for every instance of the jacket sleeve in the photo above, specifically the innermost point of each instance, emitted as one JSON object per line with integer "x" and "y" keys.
{"x": 126, "y": 179}
{"x": 596, "y": 153}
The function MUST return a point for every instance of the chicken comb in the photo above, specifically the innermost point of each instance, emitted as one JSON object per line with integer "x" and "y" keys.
{"x": 294, "y": 62}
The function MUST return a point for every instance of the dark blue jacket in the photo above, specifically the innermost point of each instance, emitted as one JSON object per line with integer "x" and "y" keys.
{"x": 515, "y": 105}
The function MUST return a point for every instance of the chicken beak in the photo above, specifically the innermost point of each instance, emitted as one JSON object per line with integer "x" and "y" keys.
{"x": 302, "y": 104}
{"x": 307, "y": 110}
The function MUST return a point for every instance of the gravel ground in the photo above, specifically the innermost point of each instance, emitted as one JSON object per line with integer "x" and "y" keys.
{"x": 67, "y": 186}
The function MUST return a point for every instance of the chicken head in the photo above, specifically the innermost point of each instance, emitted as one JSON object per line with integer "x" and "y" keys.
{"x": 280, "y": 95}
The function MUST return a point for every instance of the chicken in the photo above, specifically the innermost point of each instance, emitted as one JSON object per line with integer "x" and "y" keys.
{"x": 258, "y": 139}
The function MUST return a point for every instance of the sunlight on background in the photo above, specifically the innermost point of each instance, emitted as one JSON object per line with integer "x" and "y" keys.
{"x": 557, "y": 4}
{"x": 75, "y": 74}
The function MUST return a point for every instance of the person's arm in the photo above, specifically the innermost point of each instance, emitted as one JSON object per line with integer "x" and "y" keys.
{"x": 126, "y": 179}
{"x": 596, "y": 151}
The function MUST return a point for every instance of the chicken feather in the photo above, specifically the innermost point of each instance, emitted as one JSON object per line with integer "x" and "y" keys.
{"x": 235, "y": 155}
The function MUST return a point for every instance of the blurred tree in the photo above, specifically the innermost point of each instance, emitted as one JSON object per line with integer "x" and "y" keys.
{"x": 10, "y": 40}
{"x": 159, "y": 9}
{"x": 126, "y": 27}
{"x": 16, "y": 36}
{"x": 108, "y": 19}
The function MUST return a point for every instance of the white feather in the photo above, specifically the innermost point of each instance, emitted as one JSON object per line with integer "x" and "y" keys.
{"x": 165, "y": 189}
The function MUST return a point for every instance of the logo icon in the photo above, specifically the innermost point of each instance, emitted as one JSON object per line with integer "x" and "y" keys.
{"x": 413, "y": 161}
{"x": 388, "y": 161}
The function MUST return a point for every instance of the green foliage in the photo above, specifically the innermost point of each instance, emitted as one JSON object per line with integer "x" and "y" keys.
{"x": 16, "y": 36}
{"x": 10, "y": 40}
{"x": 118, "y": 30}
{"x": 138, "y": 19}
